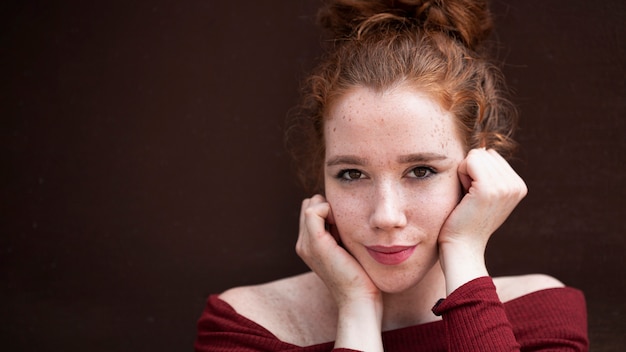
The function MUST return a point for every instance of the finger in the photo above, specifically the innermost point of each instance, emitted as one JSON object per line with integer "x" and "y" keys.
{"x": 308, "y": 202}
{"x": 315, "y": 218}
{"x": 489, "y": 168}
{"x": 475, "y": 171}
{"x": 486, "y": 166}
{"x": 500, "y": 166}
{"x": 312, "y": 228}
{"x": 318, "y": 198}
{"x": 305, "y": 204}
{"x": 506, "y": 172}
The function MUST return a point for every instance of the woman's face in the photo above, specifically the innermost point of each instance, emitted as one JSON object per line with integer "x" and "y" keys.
{"x": 391, "y": 180}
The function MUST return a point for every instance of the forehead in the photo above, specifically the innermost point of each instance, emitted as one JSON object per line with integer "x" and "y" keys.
{"x": 399, "y": 120}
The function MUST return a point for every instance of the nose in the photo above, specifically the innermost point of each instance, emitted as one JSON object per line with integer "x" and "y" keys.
{"x": 389, "y": 209}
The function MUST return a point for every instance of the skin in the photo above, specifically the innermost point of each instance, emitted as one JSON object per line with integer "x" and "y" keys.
{"x": 396, "y": 173}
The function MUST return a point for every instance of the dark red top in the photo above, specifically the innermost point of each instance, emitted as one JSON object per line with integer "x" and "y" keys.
{"x": 474, "y": 319}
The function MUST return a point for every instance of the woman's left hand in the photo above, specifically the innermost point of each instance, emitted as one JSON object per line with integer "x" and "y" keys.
{"x": 493, "y": 190}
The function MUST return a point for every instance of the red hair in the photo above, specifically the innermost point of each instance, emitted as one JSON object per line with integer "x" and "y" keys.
{"x": 433, "y": 46}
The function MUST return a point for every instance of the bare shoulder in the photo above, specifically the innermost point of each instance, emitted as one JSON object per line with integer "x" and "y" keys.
{"x": 512, "y": 287}
{"x": 296, "y": 309}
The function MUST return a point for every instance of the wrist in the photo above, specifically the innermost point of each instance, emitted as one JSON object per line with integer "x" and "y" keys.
{"x": 461, "y": 263}
{"x": 359, "y": 325}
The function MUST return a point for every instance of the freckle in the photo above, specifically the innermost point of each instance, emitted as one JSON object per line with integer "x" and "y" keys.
{"x": 334, "y": 129}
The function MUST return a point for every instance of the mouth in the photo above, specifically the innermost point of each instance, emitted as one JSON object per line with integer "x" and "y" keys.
{"x": 393, "y": 255}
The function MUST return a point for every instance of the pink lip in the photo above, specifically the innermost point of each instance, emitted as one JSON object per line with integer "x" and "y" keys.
{"x": 393, "y": 255}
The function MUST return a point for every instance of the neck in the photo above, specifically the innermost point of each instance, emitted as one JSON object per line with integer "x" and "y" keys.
{"x": 413, "y": 305}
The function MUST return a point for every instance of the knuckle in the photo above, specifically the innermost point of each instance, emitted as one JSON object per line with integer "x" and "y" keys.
{"x": 308, "y": 212}
{"x": 301, "y": 250}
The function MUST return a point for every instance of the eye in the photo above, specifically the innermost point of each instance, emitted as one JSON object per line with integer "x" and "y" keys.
{"x": 350, "y": 175}
{"x": 422, "y": 172}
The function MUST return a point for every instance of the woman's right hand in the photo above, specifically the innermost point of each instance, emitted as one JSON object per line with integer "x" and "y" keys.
{"x": 359, "y": 301}
{"x": 320, "y": 250}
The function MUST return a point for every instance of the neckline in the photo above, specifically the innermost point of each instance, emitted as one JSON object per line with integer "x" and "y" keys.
{"x": 427, "y": 330}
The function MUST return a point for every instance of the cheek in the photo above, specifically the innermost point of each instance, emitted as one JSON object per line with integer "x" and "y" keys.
{"x": 432, "y": 206}
{"x": 348, "y": 210}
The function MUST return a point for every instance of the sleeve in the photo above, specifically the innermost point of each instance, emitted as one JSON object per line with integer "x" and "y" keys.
{"x": 476, "y": 320}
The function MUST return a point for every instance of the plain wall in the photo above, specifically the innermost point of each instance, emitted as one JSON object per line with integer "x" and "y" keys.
{"x": 144, "y": 165}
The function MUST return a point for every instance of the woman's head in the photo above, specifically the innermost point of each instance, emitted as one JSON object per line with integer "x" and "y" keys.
{"x": 434, "y": 47}
{"x": 391, "y": 180}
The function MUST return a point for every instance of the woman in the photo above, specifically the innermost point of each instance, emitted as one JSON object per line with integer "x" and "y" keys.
{"x": 402, "y": 129}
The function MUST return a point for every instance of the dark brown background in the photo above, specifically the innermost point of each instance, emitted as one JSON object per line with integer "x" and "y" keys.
{"x": 144, "y": 166}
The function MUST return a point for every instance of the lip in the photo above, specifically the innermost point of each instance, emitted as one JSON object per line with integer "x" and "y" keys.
{"x": 392, "y": 255}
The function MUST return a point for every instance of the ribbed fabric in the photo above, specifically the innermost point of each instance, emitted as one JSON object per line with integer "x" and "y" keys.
{"x": 473, "y": 320}
{"x": 474, "y": 316}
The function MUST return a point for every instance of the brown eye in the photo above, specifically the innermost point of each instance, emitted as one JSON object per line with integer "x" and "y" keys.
{"x": 351, "y": 175}
{"x": 422, "y": 172}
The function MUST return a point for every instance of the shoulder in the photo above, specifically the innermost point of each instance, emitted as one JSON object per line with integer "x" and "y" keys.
{"x": 296, "y": 310}
{"x": 512, "y": 287}
{"x": 548, "y": 313}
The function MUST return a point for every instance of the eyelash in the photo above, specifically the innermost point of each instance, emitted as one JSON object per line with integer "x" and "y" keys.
{"x": 341, "y": 175}
{"x": 429, "y": 171}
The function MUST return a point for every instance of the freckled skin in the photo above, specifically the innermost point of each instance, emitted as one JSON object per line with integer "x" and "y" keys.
{"x": 389, "y": 206}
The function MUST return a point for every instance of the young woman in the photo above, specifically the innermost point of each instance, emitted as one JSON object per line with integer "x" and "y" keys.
{"x": 403, "y": 128}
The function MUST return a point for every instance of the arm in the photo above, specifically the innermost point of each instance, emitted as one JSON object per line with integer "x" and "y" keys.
{"x": 358, "y": 300}
{"x": 474, "y": 316}
{"x": 493, "y": 190}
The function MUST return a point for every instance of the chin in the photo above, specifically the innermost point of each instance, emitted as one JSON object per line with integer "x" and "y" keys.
{"x": 397, "y": 282}
{"x": 393, "y": 289}
{"x": 400, "y": 279}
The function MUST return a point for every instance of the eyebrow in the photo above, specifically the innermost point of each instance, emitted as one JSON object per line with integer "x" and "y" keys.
{"x": 402, "y": 159}
{"x": 420, "y": 157}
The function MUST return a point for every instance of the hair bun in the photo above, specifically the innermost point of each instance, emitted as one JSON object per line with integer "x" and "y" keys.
{"x": 468, "y": 21}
